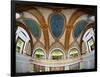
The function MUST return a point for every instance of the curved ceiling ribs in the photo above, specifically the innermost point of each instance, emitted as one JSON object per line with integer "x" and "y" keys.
{"x": 43, "y": 25}
{"x": 69, "y": 26}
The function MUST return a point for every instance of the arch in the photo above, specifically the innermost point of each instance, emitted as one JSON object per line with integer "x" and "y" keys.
{"x": 91, "y": 25}
{"x": 40, "y": 53}
{"x": 20, "y": 44}
{"x": 59, "y": 52}
{"x": 56, "y": 22}
{"x": 18, "y": 23}
{"x": 33, "y": 26}
{"x": 73, "y": 52}
{"x": 35, "y": 12}
{"x": 23, "y": 31}
{"x": 69, "y": 26}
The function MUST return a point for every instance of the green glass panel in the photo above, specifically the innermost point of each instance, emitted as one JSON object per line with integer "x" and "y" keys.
{"x": 19, "y": 45}
{"x": 57, "y": 53}
{"x": 90, "y": 42}
{"x": 39, "y": 54}
{"x": 73, "y": 52}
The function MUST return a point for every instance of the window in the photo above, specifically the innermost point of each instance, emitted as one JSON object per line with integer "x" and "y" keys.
{"x": 91, "y": 44}
{"x": 73, "y": 53}
{"x": 19, "y": 45}
{"x": 57, "y": 54}
{"x": 39, "y": 54}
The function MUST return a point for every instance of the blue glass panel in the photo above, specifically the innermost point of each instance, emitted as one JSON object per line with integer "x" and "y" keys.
{"x": 34, "y": 27}
{"x": 79, "y": 27}
{"x": 56, "y": 24}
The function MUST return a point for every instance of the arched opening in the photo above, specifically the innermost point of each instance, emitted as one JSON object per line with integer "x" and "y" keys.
{"x": 57, "y": 54}
{"x": 24, "y": 44}
{"x": 74, "y": 53}
{"x": 23, "y": 37}
{"x": 88, "y": 39}
{"x": 39, "y": 54}
{"x": 20, "y": 43}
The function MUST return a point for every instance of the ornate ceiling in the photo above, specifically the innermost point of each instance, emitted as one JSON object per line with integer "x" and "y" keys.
{"x": 57, "y": 26}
